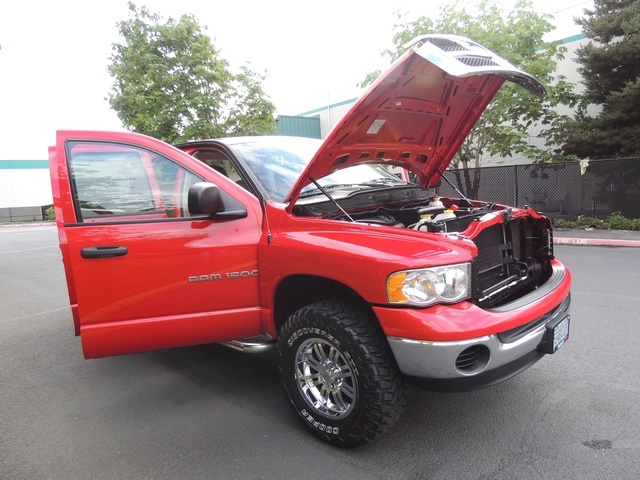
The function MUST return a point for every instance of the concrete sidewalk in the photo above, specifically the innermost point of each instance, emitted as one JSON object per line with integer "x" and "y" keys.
{"x": 596, "y": 237}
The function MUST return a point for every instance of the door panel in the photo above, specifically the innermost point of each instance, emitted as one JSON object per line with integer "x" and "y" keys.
{"x": 146, "y": 274}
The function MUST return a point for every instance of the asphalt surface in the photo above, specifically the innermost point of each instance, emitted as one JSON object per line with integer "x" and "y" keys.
{"x": 210, "y": 412}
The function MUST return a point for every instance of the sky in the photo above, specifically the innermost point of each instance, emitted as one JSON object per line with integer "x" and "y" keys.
{"x": 54, "y": 54}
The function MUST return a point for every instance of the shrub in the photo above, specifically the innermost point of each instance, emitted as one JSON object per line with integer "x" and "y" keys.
{"x": 584, "y": 221}
{"x": 616, "y": 221}
{"x": 562, "y": 223}
{"x": 50, "y": 214}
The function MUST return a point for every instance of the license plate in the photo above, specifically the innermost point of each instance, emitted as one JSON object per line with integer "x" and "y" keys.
{"x": 561, "y": 333}
{"x": 556, "y": 336}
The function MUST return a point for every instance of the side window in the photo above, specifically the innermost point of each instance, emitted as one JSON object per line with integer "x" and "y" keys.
{"x": 121, "y": 182}
{"x": 218, "y": 161}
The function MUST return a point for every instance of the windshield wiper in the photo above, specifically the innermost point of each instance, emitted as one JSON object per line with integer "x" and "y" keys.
{"x": 332, "y": 186}
{"x": 345, "y": 185}
{"x": 386, "y": 181}
{"x": 313, "y": 191}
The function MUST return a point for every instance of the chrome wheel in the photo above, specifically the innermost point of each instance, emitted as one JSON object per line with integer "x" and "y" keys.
{"x": 325, "y": 379}
{"x": 338, "y": 372}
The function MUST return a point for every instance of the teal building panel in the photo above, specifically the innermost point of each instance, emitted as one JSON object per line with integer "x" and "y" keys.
{"x": 294, "y": 126}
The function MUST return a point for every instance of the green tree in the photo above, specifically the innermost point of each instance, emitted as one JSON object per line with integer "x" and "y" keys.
{"x": 515, "y": 115}
{"x": 250, "y": 114}
{"x": 171, "y": 83}
{"x": 612, "y": 82}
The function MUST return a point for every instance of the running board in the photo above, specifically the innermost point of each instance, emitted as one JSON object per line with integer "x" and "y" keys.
{"x": 247, "y": 346}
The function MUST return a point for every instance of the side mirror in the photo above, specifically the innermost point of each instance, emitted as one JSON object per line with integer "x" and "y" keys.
{"x": 204, "y": 199}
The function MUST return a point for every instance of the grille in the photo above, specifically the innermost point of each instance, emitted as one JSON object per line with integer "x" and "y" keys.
{"x": 474, "y": 61}
{"x": 501, "y": 261}
{"x": 498, "y": 246}
{"x": 490, "y": 247}
{"x": 489, "y": 258}
{"x": 447, "y": 45}
{"x": 516, "y": 241}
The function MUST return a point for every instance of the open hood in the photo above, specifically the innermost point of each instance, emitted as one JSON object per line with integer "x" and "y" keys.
{"x": 417, "y": 114}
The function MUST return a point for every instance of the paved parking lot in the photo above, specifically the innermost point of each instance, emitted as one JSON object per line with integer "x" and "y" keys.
{"x": 210, "y": 412}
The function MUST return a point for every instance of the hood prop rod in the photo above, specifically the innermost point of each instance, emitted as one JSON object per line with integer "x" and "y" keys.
{"x": 462, "y": 195}
{"x": 333, "y": 200}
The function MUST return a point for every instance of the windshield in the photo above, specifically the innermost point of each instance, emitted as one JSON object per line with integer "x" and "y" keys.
{"x": 277, "y": 162}
{"x": 356, "y": 176}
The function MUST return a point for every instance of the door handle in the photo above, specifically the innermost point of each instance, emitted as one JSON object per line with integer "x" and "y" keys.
{"x": 103, "y": 252}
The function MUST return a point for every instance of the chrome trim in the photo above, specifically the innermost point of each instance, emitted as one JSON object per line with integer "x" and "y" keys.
{"x": 250, "y": 347}
{"x": 437, "y": 360}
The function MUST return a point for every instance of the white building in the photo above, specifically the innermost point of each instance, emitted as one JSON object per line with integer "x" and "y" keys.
{"x": 24, "y": 188}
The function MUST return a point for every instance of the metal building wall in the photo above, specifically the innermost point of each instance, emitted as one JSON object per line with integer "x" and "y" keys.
{"x": 328, "y": 116}
{"x": 295, "y": 126}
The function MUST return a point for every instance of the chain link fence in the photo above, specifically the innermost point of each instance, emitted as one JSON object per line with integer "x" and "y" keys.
{"x": 565, "y": 190}
{"x": 557, "y": 190}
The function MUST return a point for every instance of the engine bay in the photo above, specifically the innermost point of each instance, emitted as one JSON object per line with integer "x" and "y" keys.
{"x": 412, "y": 208}
{"x": 513, "y": 253}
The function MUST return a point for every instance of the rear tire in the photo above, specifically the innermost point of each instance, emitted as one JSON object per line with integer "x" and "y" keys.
{"x": 339, "y": 374}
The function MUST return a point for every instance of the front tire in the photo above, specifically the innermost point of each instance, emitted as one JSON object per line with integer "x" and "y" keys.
{"x": 338, "y": 372}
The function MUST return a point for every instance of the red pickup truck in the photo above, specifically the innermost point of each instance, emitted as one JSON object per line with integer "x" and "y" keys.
{"x": 360, "y": 278}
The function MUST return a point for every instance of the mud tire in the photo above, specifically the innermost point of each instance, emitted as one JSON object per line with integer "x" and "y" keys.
{"x": 339, "y": 374}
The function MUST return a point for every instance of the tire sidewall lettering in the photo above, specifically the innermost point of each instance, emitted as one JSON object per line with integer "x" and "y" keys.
{"x": 314, "y": 331}
{"x": 319, "y": 425}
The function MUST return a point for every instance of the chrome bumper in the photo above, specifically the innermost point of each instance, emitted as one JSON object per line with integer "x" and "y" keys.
{"x": 501, "y": 356}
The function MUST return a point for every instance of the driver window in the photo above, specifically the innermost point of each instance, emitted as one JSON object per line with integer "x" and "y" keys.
{"x": 120, "y": 182}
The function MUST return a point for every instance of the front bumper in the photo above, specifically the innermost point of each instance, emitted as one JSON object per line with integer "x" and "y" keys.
{"x": 480, "y": 361}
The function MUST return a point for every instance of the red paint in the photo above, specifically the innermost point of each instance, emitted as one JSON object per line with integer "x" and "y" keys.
{"x": 465, "y": 320}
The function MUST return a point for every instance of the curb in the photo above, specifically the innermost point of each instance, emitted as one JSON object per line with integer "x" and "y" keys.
{"x": 596, "y": 242}
{"x": 26, "y": 224}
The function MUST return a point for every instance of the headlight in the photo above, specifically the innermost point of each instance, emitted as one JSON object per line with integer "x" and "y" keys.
{"x": 426, "y": 286}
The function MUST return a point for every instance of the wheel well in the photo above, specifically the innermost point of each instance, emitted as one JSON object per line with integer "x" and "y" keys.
{"x": 299, "y": 290}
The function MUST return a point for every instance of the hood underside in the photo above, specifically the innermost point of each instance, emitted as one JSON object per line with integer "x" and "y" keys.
{"x": 417, "y": 114}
